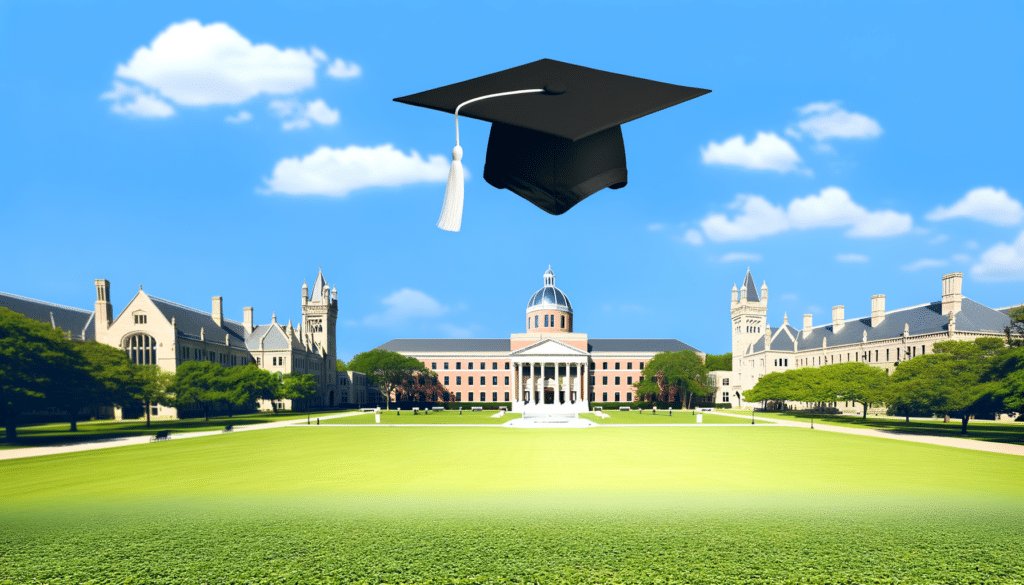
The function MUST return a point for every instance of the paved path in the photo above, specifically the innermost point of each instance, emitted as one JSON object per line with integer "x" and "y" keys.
{"x": 959, "y": 443}
{"x": 107, "y": 443}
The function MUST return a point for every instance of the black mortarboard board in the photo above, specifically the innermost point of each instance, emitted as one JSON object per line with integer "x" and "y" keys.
{"x": 558, "y": 140}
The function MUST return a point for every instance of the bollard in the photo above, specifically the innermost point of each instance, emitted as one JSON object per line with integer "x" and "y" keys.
{"x": 700, "y": 418}
{"x": 670, "y": 411}
{"x": 317, "y": 422}
{"x": 460, "y": 411}
{"x": 376, "y": 416}
{"x": 398, "y": 412}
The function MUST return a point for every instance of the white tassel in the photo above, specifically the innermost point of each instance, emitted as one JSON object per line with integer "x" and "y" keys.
{"x": 451, "y": 211}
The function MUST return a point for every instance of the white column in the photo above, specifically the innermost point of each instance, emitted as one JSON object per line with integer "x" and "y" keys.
{"x": 586, "y": 380}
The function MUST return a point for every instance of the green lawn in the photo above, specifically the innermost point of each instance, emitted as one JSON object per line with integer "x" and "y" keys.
{"x": 680, "y": 417}
{"x": 60, "y": 433}
{"x": 1002, "y": 432}
{"x": 740, "y": 504}
{"x": 441, "y": 417}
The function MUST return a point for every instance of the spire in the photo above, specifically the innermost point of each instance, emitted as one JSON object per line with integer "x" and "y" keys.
{"x": 549, "y": 277}
{"x": 785, "y": 319}
{"x": 318, "y": 287}
{"x": 751, "y": 288}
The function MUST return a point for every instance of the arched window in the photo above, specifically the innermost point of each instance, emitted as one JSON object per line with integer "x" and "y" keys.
{"x": 141, "y": 349}
{"x": 563, "y": 321}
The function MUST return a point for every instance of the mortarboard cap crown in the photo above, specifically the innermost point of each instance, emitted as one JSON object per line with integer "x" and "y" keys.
{"x": 557, "y": 146}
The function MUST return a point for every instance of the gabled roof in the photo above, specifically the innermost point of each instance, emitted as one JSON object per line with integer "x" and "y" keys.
{"x": 748, "y": 282}
{"x": 189, "y": 322}
{"x": 561, "y": 347}
{"x": 79, "y": 323}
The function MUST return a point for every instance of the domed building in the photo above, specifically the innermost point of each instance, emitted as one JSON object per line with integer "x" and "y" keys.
{"x": 548, "y": 369}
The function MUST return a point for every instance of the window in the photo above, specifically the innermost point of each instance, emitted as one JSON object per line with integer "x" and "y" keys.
{"x": 483, "y": 397}
{"x": 506, "y": 383}
{"x": 446, "y": 380}
{"x": 506, "y": 396}
{"x": 433, "y": 365}
{"x": 787, "y": 363}
{"x": 153, "y": 411}
{"x": 141, "y": 349}
{"x": 506, "y": 365}
{"x": 629, "y": 397}
{"x": 563, "y": 321}
{"x": 494, "y": 381}
{"x": 471, "y": 397}
{"x": 604, "y": 397}
{"x": 641, "y": 365}
{"x": 604, "y": 380}
{"x": 458, "y": 396}
{"x": 887, "y": 355}
{"x": 446, "y": 365}
{"x": 617, "y": 380}
{"x": 469, "y": 366}
{"x": 469, "y": 380}
{"x": 922, "y": 350}
{"x": 140, "y": 319}
{"x": 536, "y": 320}
{"x": 616, "y": 365}
{"x": 617, "y": 397}
{"x": 725, "y": 381}
{"x": 629, "y": 365}
{"x": 494, "y": 366}
{"x": 593, "y": 380}
{"x": 545, "y": 320}
{"x": 458, "y": 380}
{"x": 725, "y": 397}
{"x": 604, "y": 365}
{"x": 629, "y": 380}
{"x": 483, "y": 380}
{"x": 458, "y": 365}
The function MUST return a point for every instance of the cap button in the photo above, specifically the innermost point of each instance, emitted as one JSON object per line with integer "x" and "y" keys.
{"x": 554, "y": 88}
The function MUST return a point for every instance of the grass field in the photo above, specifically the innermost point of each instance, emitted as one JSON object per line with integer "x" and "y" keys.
{"x": 681, "y": 417}
{"x": 59, "y": 433}
{"x": 742, "y": 504}
{"x": 1000, "y": 432}
{"x": 442, "y": 417}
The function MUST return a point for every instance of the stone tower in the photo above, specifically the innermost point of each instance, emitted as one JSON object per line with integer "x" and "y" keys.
{"x": 749, "y": 316}
{"x": 320, "y": 315}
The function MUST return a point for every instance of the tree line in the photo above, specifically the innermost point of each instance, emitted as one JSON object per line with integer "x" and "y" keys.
{"x": 961, "y": 379}
{"x": 41, "y": 370}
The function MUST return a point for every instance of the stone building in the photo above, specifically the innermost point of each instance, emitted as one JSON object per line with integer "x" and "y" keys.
{"x": 882, "y": 339}
{"x": 548, "y": 368}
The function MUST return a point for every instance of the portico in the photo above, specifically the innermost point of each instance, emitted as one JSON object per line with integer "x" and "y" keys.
{"x": 551, "y": 378}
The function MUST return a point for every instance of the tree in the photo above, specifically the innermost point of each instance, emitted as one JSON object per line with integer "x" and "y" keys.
{"x": 1015, "y": 330}
{"x": 32, "y": 357}
{"x": 340, "y": 366}
{"x": 387, "y": 370}
{"x": 107, "y": 377}
{"x": 856, "y": 382}
{"x": 671, "y": 375}
{"x": 296, "y": 387}
{"x": 154, "y": 388}
{"x": 950, "y": 381}
{"x": 200, "y": 382}
{"x": 1007, "y": 369}
{"x": 248, "y": 383}
{"x": 799, "y": 385}
{"x": 721, "y": 362}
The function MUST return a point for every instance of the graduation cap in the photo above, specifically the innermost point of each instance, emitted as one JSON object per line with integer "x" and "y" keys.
{"x": 556, "y": 135}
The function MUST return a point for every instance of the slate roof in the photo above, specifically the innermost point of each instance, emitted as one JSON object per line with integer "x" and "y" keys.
{"x": 318, "y": 288}
{"x": 504, "y": 345}
{"x": 748, "y": 282}
{"x": 189, "y": 321}
{"x": 1006, "y": 310}
{"x": 922, "y": 319}
{"x": 275, "y": 337}
{"x": 81, "y": 324}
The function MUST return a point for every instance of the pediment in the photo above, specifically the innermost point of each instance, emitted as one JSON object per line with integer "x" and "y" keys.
{"x": 550, "y": 347}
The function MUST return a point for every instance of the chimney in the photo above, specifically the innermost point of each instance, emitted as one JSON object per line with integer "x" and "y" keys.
{"x": 807, "y": 324}
{"x": 877, "y": 310}
{"x": 218, "y": 311}
{"x": 952, "y": 296}
{"x": 838, "y": 316}
{"x": 104, "y": 311}
{"x": 247, "y": 319}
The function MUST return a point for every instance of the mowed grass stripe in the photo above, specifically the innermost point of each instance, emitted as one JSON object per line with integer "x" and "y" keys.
{"x": 454, "y": 461}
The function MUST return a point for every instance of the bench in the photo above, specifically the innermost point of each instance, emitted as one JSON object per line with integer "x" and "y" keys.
{"x": 438, "y": 408}
{"x": 478, "y": 409}
{"x": 597, "y": 408}
{"x": 623, "y": 408}
{"x": 706, "y": 409}
{"x": 230, "y": 428}
{"x": 368, "y": 409}
{"x": 160, "y": 436}
{"x": 503, "y": 408}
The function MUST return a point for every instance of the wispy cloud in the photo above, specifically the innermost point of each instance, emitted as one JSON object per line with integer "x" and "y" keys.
{"x": 339, "y": 171}
{"x": 402, "y": 306}
{"x": 924, "y": 263}
{"x": 299, "y": 116}
{"x": 239, "y": 118}
{"x": 828, "y": 120}
{"x": 1002, "y": 262}
{"x": 740, "y": 257}
{"x": 852, "y": 258}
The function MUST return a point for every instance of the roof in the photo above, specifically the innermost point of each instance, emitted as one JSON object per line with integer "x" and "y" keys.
{"x": 921, "y": 320}
{"x": 504, "y": 345}
{"x": 190, "y": 322}
{"x": 317, "y": 295}
{"x": 748, "y": 283}
{"x": 275, "y": 337}
{"x": 79, "y": 323}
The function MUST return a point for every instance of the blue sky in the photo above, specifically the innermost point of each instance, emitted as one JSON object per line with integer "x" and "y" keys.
{"x": 230, "y": 148}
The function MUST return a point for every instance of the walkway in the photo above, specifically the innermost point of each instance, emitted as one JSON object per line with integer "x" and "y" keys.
{"x": 959, "y": 443}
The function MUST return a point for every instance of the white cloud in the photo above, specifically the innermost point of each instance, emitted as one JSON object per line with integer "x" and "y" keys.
{"x": 342, "y": 70}
{"x": 192, "y": 64}
{"x": 132, "y": 100}
{"x": 403, "y": 305}
{"x": 239, "y": 118}
{"x": 339, "y": 171}
{"x": 832, "y": 207}
{"x": 1002, "y": 262}
{"x": 299, "y": 117}
{"x": 655, "y": 227}
{"x": 740, "y": 257}
{"x": 825, "y": 120}
{"x": 767, "y": 152}
{"x": 986, "y": 204}
{"x": 852, "y": 258}
{"x": 924, "y": 263}
{"x": 693, "y": 237}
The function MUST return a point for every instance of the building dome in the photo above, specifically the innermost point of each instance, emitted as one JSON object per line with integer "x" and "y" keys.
{"x": 549, "y": 297}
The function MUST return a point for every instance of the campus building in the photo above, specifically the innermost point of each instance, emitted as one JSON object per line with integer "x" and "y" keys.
{"x": 882, "y": 339}
{"x": 548, "y": 368}
{"x": 155, "y": 331}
